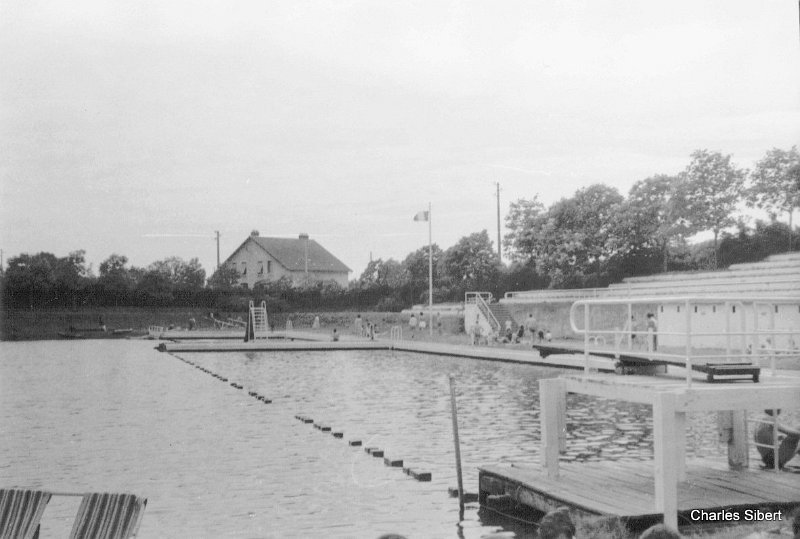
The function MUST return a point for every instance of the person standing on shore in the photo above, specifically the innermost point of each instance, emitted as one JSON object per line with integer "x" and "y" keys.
{"x": 358, "y": 324}
{"x": 412, "y": 322}
{"x": 531, "y": 327}
{"x": 652, "y": 333}
{"x": 788, "y": 441}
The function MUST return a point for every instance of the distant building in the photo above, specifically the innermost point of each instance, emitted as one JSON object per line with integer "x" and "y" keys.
{"x": 260, "y": 260}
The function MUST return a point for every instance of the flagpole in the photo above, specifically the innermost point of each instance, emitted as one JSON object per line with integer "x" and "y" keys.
{"x": 430, "y": 272}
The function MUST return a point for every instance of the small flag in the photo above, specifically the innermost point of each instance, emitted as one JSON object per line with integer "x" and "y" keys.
{"x": 421, "y": 216}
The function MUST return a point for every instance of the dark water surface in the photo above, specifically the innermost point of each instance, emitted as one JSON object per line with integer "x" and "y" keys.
{"x": 216, "y": 462}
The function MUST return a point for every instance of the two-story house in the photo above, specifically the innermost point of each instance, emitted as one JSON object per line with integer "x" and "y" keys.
{"x": 263, "y": 259}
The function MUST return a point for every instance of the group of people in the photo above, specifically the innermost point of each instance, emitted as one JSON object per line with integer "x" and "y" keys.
{"x": 509, "y": 335}
{"x": 415, "y": 322}
{"x": 643, "y": 337}
{"x": 364, "y": 328}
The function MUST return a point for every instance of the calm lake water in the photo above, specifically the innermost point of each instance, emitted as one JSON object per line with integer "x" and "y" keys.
{"x": 215, "y": 462}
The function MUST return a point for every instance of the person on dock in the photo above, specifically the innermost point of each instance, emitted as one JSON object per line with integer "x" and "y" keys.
{"x": 520, "y": 334}
{"x": 335, "y": 335}
{"x": 660, "y": 531}
{"x": 556, "y": 524}
{"x": 358, "y": 324}
{"x": 422, "y": 323}
{"x": 788, "y": 441}
{"x": 530, "y": 324}
{"x": 652, "y": 333}
{"x": 412, "y": 322}
{"x": 509, "y": 336}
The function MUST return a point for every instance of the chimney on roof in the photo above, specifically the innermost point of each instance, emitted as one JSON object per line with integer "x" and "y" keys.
{"x": 303, "y": 236}
{"x": 254, "y": 232}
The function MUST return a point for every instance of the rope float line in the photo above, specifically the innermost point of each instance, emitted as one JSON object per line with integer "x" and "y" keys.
{"x": 374, "y": 451}
{"x": 235, "y": 385}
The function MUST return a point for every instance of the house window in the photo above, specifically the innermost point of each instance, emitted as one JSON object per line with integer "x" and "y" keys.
{"x": 269, "y": 266}
{"x": 260, "y": 268}
{"x": 244, "y": 268}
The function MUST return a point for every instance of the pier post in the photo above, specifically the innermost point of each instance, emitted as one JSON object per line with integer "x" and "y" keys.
{"x": 738, "y": 458}
{"x": 666, "y": 473}
{"x": 552, "y": 415}
{"x": 680, "y": 445}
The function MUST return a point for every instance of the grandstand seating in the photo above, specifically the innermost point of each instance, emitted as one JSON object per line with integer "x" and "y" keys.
{"x": 776, "y": 276}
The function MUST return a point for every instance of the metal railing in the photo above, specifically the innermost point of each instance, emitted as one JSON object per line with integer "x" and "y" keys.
{"x": 479, "y": 300}
{"x": 396, "y": 333}
{"x": 754, "y": 341}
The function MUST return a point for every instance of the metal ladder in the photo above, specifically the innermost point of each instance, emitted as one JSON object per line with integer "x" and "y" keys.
{"x": 258, "y": 316}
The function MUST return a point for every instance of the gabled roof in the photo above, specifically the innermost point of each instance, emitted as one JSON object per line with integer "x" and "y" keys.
{"x": 291, "y": 252}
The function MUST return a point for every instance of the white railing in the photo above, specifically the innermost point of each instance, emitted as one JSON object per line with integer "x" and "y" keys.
{"x": 480, "y": 301}
{"x": 754, "y": 340}
{"x": 557, "y": 294}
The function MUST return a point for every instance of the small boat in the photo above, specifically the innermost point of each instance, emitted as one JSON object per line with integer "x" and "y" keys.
{"x": 126, "y": 331}
{"x": 71, "y": 335}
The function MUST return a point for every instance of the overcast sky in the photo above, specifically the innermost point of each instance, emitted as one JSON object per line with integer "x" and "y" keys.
{"x": 140, "y": 128}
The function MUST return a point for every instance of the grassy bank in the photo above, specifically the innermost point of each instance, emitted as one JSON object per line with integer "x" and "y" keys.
{"x": 42, "y": 324}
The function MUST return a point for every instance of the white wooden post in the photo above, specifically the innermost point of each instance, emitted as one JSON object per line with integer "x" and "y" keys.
{"x": 738, "y": 458}
{"x": 585, "y": 338}
{"x": 551, "y": 417}
{"x": 680, "y": 445}
{"x": 666, "y": 477}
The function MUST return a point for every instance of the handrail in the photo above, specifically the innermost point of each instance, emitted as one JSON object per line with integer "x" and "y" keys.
{"x": 595, "y": 292}
{"x": 483, "y": 307}
{"x": 396, "y": 333}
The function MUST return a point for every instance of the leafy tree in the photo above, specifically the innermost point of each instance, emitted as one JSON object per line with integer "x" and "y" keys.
{"x": 180, "y": 273}
{"x": 31, "y": 279}
{"x": 470, "y": 264}
{"x": 648, "y": 222}
{"x": 775, "y": 183}
{"x": 225, "y": 277}
{"x": 382, "y": 273}
{"x": 415, "y": 272}
{"x": 711, "y": 187}
{"x": 523, "y": 217}
{"x": 72, "y": 275}
{"x": 578, "y": 238}
{"x": 116, "y": 280}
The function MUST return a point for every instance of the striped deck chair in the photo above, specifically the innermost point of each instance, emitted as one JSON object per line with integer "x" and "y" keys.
{"x": 108, "y": 516}
{"x": 20, "y": 512}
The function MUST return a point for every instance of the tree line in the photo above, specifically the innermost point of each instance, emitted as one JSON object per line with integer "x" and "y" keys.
{"x": 594, "y": 238}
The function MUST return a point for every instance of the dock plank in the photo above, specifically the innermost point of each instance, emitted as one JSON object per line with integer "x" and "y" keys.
{"x": 628, "y": 489}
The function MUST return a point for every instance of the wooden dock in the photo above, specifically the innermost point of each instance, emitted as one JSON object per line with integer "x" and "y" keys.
{"x": 627, "y": 490}
{"x": 668, "y": 487}
{"x": 286, "y": 341}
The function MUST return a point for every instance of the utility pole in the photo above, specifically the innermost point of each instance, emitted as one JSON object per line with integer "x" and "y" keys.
{"x": 217, "y": 233}
{"x": 499, "y": 256}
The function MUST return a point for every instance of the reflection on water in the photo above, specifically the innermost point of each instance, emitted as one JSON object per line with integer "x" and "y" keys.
{"x": 215, "y": 462}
